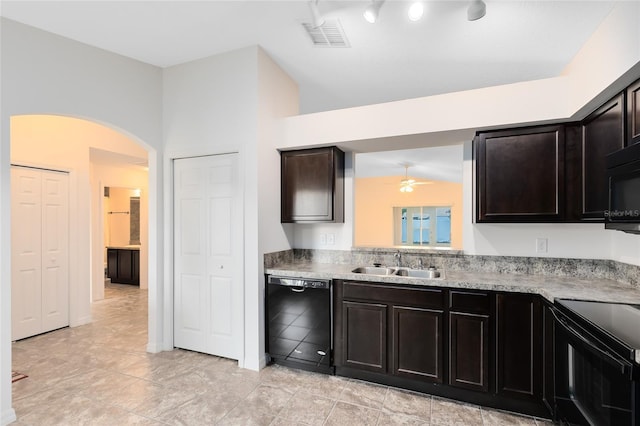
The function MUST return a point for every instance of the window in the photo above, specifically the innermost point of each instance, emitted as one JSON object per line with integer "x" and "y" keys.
{"x": 422, "y": 226}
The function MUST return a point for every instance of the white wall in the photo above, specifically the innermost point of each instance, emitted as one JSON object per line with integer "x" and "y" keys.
{"x": 231, "y": 103}
{"x": 278, "y": 97}
{"x": 41, "y": 73}
{"x": 603, "y": 66}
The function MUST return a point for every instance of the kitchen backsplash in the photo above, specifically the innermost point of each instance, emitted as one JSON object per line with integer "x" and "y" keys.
{"x": 457, "y": 261}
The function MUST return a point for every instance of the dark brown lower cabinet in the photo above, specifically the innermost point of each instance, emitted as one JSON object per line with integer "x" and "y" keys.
{"x": 469, "y": 351}
{"x": 364, "y": 332}
{"x": 417, "y": 343}
{"x": 519, "y": 346}
{"x": 483, "y": 347}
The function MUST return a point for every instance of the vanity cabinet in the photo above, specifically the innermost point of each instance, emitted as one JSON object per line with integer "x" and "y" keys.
{"x": 312, "y": 185}
{"x": 123, "y": 265}
{"x": 520, "y": 175}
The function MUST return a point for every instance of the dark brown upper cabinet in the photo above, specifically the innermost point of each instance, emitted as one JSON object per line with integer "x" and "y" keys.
{"x": 312, "y": 185}
{"x": 602, "y": 134}
{"x": 520, "y": 175}
{"x": 633, "y": 113}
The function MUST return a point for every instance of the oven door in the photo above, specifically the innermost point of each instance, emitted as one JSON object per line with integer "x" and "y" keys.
{"x": 593, "y": 385}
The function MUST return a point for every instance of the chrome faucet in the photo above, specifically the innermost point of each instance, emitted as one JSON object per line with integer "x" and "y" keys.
{"x": 420, "y": 264}
{"x": 398, "y": 257}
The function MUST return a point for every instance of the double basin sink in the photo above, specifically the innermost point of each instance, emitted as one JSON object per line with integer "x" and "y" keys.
{"x": 429, "y": 273}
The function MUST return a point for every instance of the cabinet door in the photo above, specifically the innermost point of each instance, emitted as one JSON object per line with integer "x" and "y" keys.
{"x": 312, "y": 186}
{"x": 602, "y": 134}
{"x": 520, "y": 175}
{"x": 417, "y": 343}
{"x": 633, "y": 113}
{"x": 125, "y": 267}
{"x": 469, "y": 351}
{"x": 135, "y": 270}
{"x": 364, "y": 333}
{"x": 112, "y": 264}
{"x": 519, "y": 345}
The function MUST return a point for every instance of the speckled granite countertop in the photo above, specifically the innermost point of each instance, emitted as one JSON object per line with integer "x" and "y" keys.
{"x": 549, "y": 287}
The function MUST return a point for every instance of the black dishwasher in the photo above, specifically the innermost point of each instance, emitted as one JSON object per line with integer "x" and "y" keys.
{"x": 298, "y": 317}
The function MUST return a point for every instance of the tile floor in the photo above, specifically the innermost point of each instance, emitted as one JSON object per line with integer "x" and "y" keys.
{"x": 100, "y": 374}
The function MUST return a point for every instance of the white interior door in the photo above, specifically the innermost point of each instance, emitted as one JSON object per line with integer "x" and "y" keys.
{"x": 208, "y": 281}
{"x": 39, "y": 251}
{"x": 55, "y": 250}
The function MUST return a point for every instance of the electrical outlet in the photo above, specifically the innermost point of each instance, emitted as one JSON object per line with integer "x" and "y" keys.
{"x": 542, "y": 245}
{"x": 323, "y": 239}
{"x": 331, "y": 239}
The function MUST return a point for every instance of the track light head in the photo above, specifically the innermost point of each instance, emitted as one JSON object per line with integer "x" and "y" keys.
{"x": 317, "y": 19}
{"x": 416, "y": 10}
{"x": 476, "y": 10}
{"x": 371, "y": 12}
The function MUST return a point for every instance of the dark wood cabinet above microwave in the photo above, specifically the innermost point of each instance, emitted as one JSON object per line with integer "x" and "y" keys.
{"x": 633, "y": 113}
{"x": 312, "y": 185}
{"x": 602, "y": 133}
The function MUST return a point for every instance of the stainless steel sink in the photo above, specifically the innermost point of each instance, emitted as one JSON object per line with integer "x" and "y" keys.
{"x": 418, "y": 273}
{"x": 374, "y": 270}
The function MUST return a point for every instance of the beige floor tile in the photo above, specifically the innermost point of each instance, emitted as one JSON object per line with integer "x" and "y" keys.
{"x": 407, "y": 403}
{"x": 206, "y": 409}
{"x": 308, "y": 409}
{"x": 451, "y": 413}
{"x": 498, "y": 418}
{"x": 349, "y": 414}
{"x": 392, "y": 419}
{"x": 365, "y": 394}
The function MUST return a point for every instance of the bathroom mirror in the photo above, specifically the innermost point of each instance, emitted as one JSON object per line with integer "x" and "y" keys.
{"x": 122, "y": 217}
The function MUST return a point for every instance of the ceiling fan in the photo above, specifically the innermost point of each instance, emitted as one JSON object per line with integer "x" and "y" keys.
{"x": 407, "y": 184}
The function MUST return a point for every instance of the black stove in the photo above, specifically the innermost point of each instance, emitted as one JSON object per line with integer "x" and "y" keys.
{"x": 597, "y": 363}
{"x": 617, "y": 324}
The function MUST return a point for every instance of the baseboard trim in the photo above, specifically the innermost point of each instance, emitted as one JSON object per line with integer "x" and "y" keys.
{"x": 154, "y": 348}
{"x": 8, "y": 416}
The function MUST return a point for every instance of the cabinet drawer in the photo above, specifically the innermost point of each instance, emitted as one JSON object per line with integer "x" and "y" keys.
{"x": 464, "y": 301}
{"x": 424, "y": 297}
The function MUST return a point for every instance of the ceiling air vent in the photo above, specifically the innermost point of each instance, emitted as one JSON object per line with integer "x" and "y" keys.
{"x": 329, "y": 34}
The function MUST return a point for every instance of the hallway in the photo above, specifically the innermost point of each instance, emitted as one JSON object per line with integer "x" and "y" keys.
{"x": 100, "y": 374}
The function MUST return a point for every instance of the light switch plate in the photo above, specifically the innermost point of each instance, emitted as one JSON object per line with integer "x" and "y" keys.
{"x": 542, "y": 245}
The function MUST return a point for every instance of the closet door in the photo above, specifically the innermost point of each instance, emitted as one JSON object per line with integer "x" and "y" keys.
{"x": 39, "y": 251}
{"x": 55, "y": 250}
{"x": 208, "y": 258}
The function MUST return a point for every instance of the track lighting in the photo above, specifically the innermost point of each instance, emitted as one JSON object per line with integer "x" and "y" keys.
{"x": 476, "y": 10}
{"x": 317, "y": 19}
{"x": 416, "y": 10}
{"x": 371, "y": 12}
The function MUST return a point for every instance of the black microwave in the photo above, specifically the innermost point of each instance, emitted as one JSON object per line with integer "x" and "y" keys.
{"x": 623, "y": 175}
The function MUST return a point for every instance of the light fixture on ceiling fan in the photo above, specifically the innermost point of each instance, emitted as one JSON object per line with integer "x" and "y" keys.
{"x": 407, "y": 184}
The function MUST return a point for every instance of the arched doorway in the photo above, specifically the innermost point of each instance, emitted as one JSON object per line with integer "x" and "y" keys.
{"x": 70, "y": 144}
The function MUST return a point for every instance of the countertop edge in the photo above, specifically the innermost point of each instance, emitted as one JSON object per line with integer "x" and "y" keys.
{"x": 548, "y": 287}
